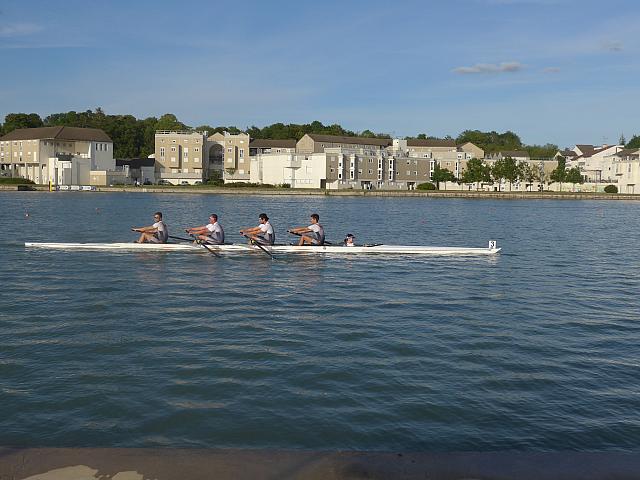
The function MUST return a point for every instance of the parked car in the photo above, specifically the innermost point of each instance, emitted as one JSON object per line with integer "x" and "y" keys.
{"x": 184, "y": 182}
{"x": 198, "y": 182}
{"x": 164, "y": 182}
{"x": 147, "y": 182}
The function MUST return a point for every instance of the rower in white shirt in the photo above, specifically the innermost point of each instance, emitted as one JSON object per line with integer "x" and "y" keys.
{"x": 211, "y": 233}
{"x": 263, "y": 233}
{"x": 156, "y": 233}
{"x": 311, "y": 235}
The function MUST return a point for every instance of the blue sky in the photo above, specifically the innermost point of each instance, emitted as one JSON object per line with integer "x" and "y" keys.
{"x": 559, "y": 71}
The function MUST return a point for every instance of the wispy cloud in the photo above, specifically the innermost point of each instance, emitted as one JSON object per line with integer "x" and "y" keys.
{"x": 505, "y": 67}
{"x": 612, "y": 46}
{"x": 551, "y": 70}
{"x": 19, "y": 29}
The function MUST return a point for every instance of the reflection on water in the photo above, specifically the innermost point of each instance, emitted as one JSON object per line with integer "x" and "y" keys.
{"x": 532, "y": 349}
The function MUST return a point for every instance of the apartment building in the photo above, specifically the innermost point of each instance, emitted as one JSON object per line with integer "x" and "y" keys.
{"x": 626, "y": 170}
{"x": 595, "y": 163}
{"x": 262, "y": 146}
{"x": 233, "y": 152}
{"x": 60, "y": 155}
{"x": 316, "y": 143}
{"x": 182, "y": 157}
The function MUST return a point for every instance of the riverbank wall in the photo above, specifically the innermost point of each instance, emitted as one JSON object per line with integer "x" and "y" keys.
{"x": 346, "y": 193}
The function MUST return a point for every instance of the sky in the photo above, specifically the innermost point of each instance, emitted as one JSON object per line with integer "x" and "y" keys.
{"x": 553, "y": 71}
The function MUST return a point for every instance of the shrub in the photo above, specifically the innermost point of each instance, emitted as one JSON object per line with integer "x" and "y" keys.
{"x": 15, "y": 181}
{"x": 426, "y": 186}
{"x": 611, "y": 189}
{"x": 284, "y": 185}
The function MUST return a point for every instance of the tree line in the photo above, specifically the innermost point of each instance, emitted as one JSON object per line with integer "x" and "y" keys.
{"x": 133, "y": 137}
{"x": 508, "y": 169}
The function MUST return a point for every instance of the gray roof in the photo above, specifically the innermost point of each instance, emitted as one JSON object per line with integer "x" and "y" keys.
{"x": 273, "y": 143}
{"x": 58, "y": 133}
{"x": 515, "y": 153}
{"x": 381, "y": 142}
{"x": 419, "y": 142}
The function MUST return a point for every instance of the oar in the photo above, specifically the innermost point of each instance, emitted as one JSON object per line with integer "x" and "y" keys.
{"x": 199, "y": 242}
{"x": 257, "y": 244}
{"x": 326, "y": 242}
{"x": 181, "y": 238}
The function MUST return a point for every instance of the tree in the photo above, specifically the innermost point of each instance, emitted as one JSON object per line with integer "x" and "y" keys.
{"x": 505, "y": 168}
{"x": 13, "y": 121}
{"x": 622, "y": 140}
{"x": 559, "y": 174}
{"x": 634, "y": 142}
{"x": 442, "y": 175}
{"x": 528, "y": 174}
{"x": 476, "y": 171}
{"x": 574, "y": 176}
{"x": 168, "y": 121}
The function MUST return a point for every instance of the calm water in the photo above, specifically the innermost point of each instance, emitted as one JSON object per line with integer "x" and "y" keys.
{"x": 536, "y": 349}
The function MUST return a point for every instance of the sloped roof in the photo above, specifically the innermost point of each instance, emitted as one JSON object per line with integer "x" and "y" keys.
{"x": 515, "y": 153}
{"x": 58, "y": 133}
{"x": 273, "y": 143}
{"x": 381, "y": 142}
{"x": 419, "y": 142}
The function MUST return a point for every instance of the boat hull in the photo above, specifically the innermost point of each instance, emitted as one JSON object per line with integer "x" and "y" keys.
{"x": 245, "y": 248}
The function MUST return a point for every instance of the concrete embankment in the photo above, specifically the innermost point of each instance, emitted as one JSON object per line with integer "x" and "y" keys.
{"x": 199, "y": 464}
{"x": 350, "y": 193}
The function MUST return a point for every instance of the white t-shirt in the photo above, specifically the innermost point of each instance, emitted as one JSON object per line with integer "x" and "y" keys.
{"x": 216, "y": 233}
{"x": 318, "y": 233}
{"x": 267, "y": 232}
{"x": 162, "y": 233}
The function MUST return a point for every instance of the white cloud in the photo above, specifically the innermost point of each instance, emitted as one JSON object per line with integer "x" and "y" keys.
{"x": 612, "y": 46}
{"x": 505, "y": 67}
{"x": 18, "y": 29}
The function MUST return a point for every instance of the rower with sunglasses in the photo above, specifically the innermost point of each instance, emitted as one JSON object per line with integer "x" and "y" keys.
{"x": 156, "y": 233}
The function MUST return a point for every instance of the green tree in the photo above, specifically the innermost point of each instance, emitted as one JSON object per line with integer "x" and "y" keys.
{"x": 476, "y": 171}
{"x": 574, "y": 176}
{"x": 505, "y": 168}
{"x": 442, "y": 175}
{"x": 528, "y": 174}
{"x": 634, "y": 142}
{"x": 559, "y": 174}
{"x": 13, "y": 121}
{"x": 622, "y": 140}
{"x": 169, "y": 121}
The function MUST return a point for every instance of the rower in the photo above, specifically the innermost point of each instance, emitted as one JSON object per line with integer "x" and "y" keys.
{"x": 211, "y": 233}
{"x": 311, "y": 235}
{"x": 263, "y": 233}
{"x": 156, "y": 233}
{"x": 348, "y": 240}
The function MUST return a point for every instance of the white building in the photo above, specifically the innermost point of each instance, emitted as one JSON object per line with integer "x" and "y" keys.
{"x": 595, "y": 163}
{"x": 61, "y": 155}
{"x": 626, "y": 170}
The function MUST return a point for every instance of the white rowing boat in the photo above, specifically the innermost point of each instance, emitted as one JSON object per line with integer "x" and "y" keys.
{"x": 244, "y": 248}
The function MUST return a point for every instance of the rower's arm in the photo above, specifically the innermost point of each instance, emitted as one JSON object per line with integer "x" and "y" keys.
{"x": 201, "y": 230}
{"x": 149, "y": 229}
{"x": 299, "y": 230}
{"x": 250, "y": 231}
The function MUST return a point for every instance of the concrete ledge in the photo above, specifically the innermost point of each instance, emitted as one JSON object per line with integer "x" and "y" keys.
{"x": 197, "y": 464}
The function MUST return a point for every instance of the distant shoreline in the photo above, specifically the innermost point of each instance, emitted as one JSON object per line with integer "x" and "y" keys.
{"x": 350, "y": 193}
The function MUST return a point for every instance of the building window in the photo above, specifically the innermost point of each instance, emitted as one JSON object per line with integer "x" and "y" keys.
{"x": 173, "y": 149}
{"x": 197, "y": 149}
{"x": 161, "y": 152}
{"x": 228, "y": 150}
{"x": 242, "y": 153}
{"x": 173, "y": 159}
{"x": 370, "y": 171}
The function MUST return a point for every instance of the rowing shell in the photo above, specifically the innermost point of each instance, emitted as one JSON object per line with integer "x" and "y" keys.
{"x": 244, "y": 248}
